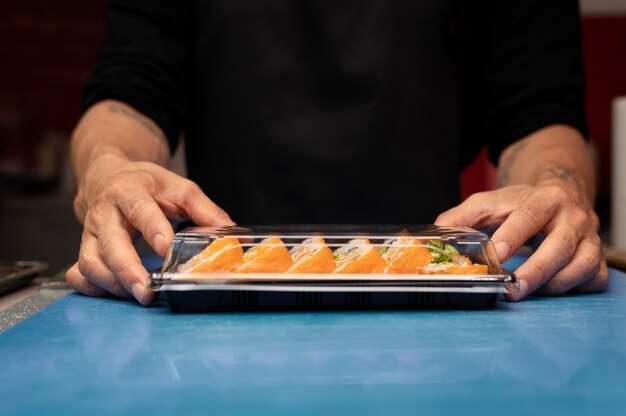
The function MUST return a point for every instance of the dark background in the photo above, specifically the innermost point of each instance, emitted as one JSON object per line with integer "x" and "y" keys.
{"x": 46, "y": 51}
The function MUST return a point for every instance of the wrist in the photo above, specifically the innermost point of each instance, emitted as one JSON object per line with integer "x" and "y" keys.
{"x": 568, "y": 178}
{"x": 93, "y": 159}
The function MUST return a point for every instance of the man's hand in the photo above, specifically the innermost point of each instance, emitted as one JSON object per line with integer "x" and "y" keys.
{"x": 120, "y": 197}
{"x": 547, "y": 185}
{"x": 570, "y": 256}
{"x": 117, "y": 155}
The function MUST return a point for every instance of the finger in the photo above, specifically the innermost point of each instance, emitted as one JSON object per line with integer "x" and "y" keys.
{"x": 555, "y": 252}
{"x": 199, "y": 208}
{"x": 584, "y": 266}
{"x": 145, "y": 215}
{"x": 181, "y": 198}
{"x": 522, "y": 223}
{"x": 77, "y": 281}
{"x": 120, "y": 256}
{"x": 92, "y": 267}
{"x": 471, "y": 212}
{"x": 598, "y": 283}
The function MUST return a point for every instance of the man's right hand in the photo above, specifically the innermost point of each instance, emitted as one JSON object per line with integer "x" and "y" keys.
{"x": 117, "y": 197}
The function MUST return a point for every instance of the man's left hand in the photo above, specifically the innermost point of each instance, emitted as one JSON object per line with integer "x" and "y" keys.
{"x": 569, "y": 258}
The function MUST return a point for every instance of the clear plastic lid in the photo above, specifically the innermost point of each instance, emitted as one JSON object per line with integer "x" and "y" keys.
{"x": 282, "y": 257}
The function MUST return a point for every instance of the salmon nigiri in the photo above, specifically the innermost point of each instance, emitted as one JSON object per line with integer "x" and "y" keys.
{"x": 359, "y": 256}
{"x": 312, "y": 256}
{"x": 222, "y": 255}
{"x": 269, "y": 256}
{"x": 405, "y": 255}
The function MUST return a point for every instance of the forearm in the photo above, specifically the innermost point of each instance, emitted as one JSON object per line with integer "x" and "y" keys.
{"x": 556, "y": 155}
{"x": 112, "y": 128}
{"x": 116, "y": 154}
{"x": 109, "y": 136}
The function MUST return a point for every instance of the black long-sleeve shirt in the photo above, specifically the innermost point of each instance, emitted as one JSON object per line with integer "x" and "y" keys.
{"x": 327, "y": 111}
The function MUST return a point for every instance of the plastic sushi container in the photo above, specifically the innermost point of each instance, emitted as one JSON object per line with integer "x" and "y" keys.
{"x": 330, "y": 267}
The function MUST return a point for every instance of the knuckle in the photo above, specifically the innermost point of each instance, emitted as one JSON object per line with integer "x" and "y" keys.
{"x": 79, "y": 207}
{"x": 71, "y": 277}
{"x": 191, "y": 191}
{"x": 566, "y": 247}
{"x": 580, "y": 219}
{"x": 521, "y": 225}
{"x": 108, "y": 244}
{"x": 76, "y": 281}
{"x": 87, "y": 264}
{"x": 124, "y": 182}
{"x": 115, "y": 188}
{"x": 557, "y": 194}
{"x": 553, "y": 287}
{"x": 530, "y": 215}
{"x": 125, "y": 272}
{"x": 145, "y": 178}
{"x": 117, "y": 289}
{"x": 96, "y": 215}
{"x": 542, "y": 270}
{"x": 595, "y": 221}
{"x": 138, "y": 210}
{"x": 602, "y": 279}
{"x": 90, "y": 289}
{"x": 598, "y": 283}
{"x": 591, "y": 261}
{"x": 596, "y": 240}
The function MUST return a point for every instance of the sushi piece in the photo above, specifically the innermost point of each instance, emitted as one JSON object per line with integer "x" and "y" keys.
{"x": 458, "y": 265}
{"x": 222, "y": 255}
{"x": 469, "y": 269}
{"x": 447, "y": 260}
{"x": 463, "y": 267}
{"x": 405, "y": 255}
{"x": 312, "y": 256}
{"x": 269, "y": 256}
{"x": 359, "y": 256}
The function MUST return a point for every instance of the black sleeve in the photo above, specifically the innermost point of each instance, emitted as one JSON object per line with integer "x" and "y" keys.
{"x": 535, "y": 77}
{"x": 142, "y": 60}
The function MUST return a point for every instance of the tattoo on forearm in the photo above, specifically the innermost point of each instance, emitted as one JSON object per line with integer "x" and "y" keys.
{"x": 505, "y": 167}
{"x": 121, "y": 110}
{"x": 564, "y": 173}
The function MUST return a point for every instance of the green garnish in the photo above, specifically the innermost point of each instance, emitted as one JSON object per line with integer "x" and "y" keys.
{"x": 442, "y": 253}
{"x": 435, "y": 243}
{"x": 336, "y": 256}
{"x": 383, "y": 250}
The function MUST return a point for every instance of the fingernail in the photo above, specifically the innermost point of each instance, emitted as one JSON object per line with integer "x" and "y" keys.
{"x": 157, "y": 243}
{"x": 522, "y": 290}
{"x": 502, "y": 249}
{"x": 138, "y": 289}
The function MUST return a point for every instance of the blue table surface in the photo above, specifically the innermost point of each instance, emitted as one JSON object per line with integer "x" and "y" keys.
{"x": 94, "y": 356}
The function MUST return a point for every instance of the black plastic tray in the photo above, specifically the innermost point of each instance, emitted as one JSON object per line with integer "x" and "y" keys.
{"x": 198, "y": 301}
{"x": 187, "y": 291}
